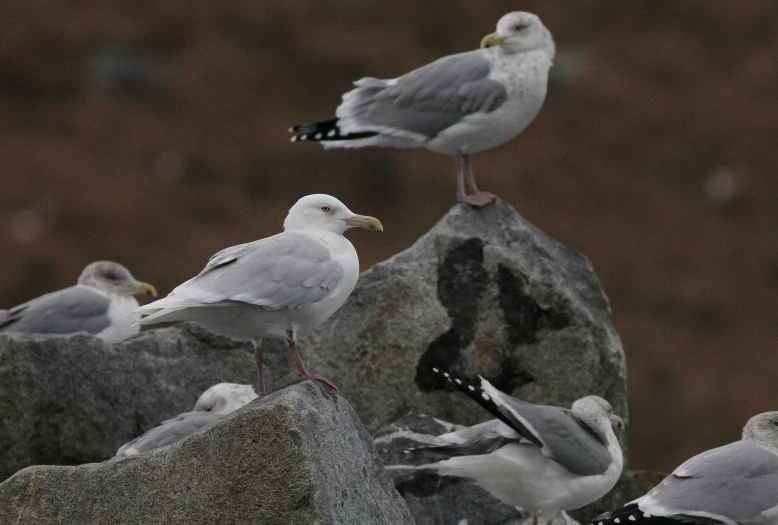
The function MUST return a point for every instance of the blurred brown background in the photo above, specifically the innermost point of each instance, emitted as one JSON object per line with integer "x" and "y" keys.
{"x": 154, "y": 133}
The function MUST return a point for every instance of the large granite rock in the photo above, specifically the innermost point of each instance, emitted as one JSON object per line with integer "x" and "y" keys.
{"x": 483, "y": 292}
{"x": 74, "y": 399}
{"x": 299, "y": 455}
{"x": 444, "y": 500}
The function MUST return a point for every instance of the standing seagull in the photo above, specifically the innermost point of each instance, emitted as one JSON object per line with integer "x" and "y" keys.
{"x": 102, "y": 303}
{"x": 457, "y": 105}
{"x": 212, "y": 405}
{"x": 542, "y": 459}
{"x": 736, "y": 484}
{"x": 275, "y": 286}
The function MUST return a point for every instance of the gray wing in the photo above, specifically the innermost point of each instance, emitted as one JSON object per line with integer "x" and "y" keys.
{"x": 427, "y": 100}
{"x": 738, "y": 482}
{"x": 169, "y": 432}
{"x": 73, "y": 309}
{"x": 288, "y": 270}
{"x": 568, "y": 438}
{"x": 564, "y": 436}
{"x": 483, "y": 438}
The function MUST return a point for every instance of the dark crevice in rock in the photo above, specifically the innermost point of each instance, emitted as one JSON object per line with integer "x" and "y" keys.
{"x": 462, "y": 281}
{"x": 524, "y": 317}
{"x": 425, "y": 484}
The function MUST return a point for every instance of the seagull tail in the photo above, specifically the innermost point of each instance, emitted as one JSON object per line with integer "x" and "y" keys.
{"x": 325, "y": 131}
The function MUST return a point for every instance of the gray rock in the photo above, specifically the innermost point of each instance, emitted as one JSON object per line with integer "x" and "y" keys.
{"x": 483, "y": 292}
{"x": 299, "y": 455}
{"x": 445, "y": 500}
{"x": 72, "y": 399}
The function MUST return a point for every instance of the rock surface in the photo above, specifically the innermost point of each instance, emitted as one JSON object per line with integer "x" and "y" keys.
{"x": 73, "y": 399}
{"x": 444, "y": 500}
{"x": 484, "y": 292}
{"x": 299, "y": 455}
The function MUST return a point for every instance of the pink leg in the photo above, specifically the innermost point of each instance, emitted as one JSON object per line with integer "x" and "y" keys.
{"x": 467, "y": 191}
{"x": 260, "y": 361}
{"x": 301, "y": 371}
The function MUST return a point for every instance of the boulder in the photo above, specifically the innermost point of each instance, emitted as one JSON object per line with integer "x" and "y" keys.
{"x": 72, "y": 399}
{"x": 299, "y": 455}
{"x": 445, "y": 500}
{"x": 484, "y": 292}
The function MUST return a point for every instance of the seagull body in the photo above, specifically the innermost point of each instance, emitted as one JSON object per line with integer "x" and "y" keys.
{"x": 457, "y": 105}
{"x": 542, "y": 459}
{"x": 215, "y": 403}
{"x": 275, "y": 286}
{"x": 102, "y": 304}
{"x": 736, "y": 484}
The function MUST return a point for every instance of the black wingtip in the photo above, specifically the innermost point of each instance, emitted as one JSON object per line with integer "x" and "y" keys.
{"x": 476, "y": 393}
{"x": 325, "y": 131}
{"x": 632, "y": 515}
{"x": 495, "y": 407}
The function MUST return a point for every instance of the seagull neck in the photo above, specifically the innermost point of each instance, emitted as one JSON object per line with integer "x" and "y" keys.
{"x": 614, "y": 447}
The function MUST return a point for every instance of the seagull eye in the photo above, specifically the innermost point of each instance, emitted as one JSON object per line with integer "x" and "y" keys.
{"x": 325, "y": 209}
{"x": 520, "y": 27}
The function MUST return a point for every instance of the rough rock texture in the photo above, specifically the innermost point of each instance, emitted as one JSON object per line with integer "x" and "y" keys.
{"x": 444, "y": 500}
{"x": 75, "y": 399}
{"x": 297, "y": 456}
{"x": 484, "y": 292}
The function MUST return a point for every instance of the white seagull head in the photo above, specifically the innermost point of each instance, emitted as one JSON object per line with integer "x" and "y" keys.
{"x": 519, "y": 32}
{"x": 114, "y": 279}
{"x": 224, "y": 398}
{"x": 763, "y": 429}
{"x": 598, "y": 410}
{"x": 324, "y": 212}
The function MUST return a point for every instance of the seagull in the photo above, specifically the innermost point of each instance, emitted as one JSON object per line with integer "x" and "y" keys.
{"x": 275, "y": 286}
{"x": 457, "y": 105}
{"x": 215, "y": 403}
{"x": 101, "y": 303}
{"x": 541, "y": 459}
{"x": 736, "y": 484}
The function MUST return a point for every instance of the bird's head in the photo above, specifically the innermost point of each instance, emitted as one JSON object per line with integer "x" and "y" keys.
{"x": 223, "y": 398}
{"x": 324, "y": 212}
{"x": 599, "y": 410}
{"x": 115, "y": 279}
{"x": 763, "y": 429}
{"x": 519, "y": 32}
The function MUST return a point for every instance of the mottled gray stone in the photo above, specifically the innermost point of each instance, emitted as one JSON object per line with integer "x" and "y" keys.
{"x": 299, "y": 455}
{"x": 446, "y": 500}
{"x": 72, "y": 399}
{"x": 483, "y": 292}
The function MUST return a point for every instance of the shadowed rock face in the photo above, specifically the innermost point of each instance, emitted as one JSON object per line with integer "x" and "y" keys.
{"x": 299, "y": 455}
{"x": 67, "y": 400}
{"x": 484, "y": 292}
{"x": 446, "y": 500}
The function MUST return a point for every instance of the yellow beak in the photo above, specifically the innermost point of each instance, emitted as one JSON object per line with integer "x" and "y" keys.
{"x": 617, "y": 422}
{"x": 364, "y": 221}
{"x": 492, "y": 40}
{"x": 144, "y": 289}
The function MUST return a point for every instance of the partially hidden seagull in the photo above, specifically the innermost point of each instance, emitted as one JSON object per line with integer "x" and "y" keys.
{"x": 736, "y": 484}
{"x": 275, "y": 286}
{"x": 457, "y": 105}
{"x": 212, "y": 405}
{"x": 541, "y": 459}
{"x": 101, "y": 303}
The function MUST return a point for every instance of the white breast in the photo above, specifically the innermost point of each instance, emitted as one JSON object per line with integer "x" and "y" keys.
{"x": 121, "y": 316}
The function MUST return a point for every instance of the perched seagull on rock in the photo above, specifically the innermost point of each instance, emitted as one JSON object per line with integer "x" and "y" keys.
{"x": 275, "y": 286}
{"x": 457, "y": 105}
{"x": 102, "y": 303}
{"x": 736, "y": 484}
{"x": 542, "y": 459}
{"x": 212, "y": 405}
